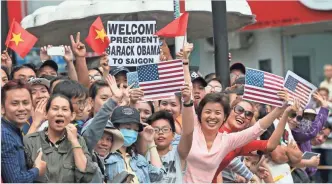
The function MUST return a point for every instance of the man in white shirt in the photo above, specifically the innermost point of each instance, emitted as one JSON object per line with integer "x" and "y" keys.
{"x": 327, "y": 83}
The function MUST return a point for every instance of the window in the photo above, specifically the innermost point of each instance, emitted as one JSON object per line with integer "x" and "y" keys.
{"x": 265, "y": 65}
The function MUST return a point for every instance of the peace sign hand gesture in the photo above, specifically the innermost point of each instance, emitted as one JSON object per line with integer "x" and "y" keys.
{"x": 79, "y": 49}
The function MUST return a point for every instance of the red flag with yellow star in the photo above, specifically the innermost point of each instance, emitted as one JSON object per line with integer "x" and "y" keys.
{"x": 20, "y": 40}
{"x": 97, "y": 38}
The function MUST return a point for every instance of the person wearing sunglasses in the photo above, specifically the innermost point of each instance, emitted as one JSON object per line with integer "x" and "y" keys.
{"x": 213, "y": 86}
{"x": 303, "y": 135}
{"x": 94, "y": 75}
{"x": 240, "y": 118}
{"x": 213, "y": 146}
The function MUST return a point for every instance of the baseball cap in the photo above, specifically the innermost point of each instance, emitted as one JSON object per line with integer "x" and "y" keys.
{"x": 118, "y": 139}
{"x": 117, "y": 69}
{"x": 238, "y": 66}
{"x": 126, "y": 114}
{"x": 196, "y": 75}
{"x": 39, "y": 81}
{"x": 49, "y": 63}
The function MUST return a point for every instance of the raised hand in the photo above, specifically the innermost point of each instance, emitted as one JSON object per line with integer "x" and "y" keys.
{"x": 68, "y": 54}
{"x": 295, "y": 107}
{"x": 283, "y": 94}
{"x": 104, "y": 64}
{"x": 148, "y": 134}
{"x": 117, "y": 93}
{"x": 6, "y": 60}
{"x": 78, "y": 47}
{"x": 318, "y": 98}
{"x": 135, "y": 95}
{"x": 43, "y": 53}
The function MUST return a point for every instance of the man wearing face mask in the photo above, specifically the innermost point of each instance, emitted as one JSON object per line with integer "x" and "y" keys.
{"x": 305, "y": 132}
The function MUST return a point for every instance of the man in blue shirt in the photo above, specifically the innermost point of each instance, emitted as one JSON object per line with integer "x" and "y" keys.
{"x": 16, "y": 108}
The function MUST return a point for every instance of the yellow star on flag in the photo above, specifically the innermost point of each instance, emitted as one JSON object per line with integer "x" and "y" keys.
{"x": 17, "y": 38}
{"x": 101, "y": 34}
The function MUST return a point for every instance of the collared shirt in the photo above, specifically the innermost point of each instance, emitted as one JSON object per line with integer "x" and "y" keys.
{"x": 57, "y": 143}
{"x": 13, "y": 163}
{"x": 61, "y": 167}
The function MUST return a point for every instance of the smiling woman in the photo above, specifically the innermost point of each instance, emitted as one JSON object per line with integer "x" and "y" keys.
{"x": 64, "y": 149}
{"x": 212, "y": 146}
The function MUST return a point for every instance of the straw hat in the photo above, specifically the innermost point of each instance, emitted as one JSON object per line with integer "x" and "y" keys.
{"x": 118, "y": 139}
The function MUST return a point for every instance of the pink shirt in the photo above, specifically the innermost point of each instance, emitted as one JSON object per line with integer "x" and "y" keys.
{"x": 202, "y": 164}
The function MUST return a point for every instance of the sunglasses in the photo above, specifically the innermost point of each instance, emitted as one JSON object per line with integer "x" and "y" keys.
{"x": 299, "y": 117}
{"x": 240, "y": 110}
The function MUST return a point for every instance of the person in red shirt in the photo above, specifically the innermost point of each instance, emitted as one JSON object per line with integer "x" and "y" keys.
{"x": 240, "y": 118}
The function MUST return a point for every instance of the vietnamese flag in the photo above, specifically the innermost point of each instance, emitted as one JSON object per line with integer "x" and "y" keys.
{"x": 177, "y": 27}
{"x": 97, "y": 38}
{"x": 20, "y": 40}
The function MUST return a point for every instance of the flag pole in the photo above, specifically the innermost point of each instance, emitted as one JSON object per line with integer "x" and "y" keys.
{"x": 9, "y": 33}
{"x": 177, "y": 13}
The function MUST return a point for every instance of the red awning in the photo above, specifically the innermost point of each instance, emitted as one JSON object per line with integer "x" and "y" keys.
{"x": 284, "y": 13}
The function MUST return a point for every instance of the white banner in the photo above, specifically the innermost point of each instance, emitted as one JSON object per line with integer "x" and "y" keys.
{"x": 132, "y": 43}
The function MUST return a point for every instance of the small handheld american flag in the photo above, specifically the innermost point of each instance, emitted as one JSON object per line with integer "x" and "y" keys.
{"x": 161, "y": 80}
{"x": 298, "y": 88}
{"x": 262, "y": 87}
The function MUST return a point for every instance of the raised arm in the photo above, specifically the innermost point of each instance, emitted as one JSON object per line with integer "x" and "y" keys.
{"x": 187, "y": 123}
{"x": 79, "y": 51}
{"x": 303, "y": 136}
{"x": 68, "y": 57}
{"x": 94, "y": 131}
{"x": 274, "y": 140}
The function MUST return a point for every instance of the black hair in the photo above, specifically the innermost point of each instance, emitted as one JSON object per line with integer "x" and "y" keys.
{"x": 213, "y": 79}
{"x": 60, "y": 77}
{"x": 94, "y": 88}
{"x": 209, "y": 76}
{"x": 97, "y": 69}
{"x": 328, "y": 126}
{"x": 162, "y": 115}
{"x": 27, "y": 65}
{"x": 151, "y": 106}
{"x": 220, "y": 98}
{"x": 49, "y": 102}
{"x": 11, "y": 85}
{"x": 71, "y": 89}
{"x": 178, "y": 97}
{"x": 5, "y": 69}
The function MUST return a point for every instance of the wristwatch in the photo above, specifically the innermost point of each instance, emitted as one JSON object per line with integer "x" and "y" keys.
{"x": 191, "y": 103}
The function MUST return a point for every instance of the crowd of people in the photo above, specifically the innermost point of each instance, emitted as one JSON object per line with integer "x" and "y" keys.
{"x": 90, "y": 126}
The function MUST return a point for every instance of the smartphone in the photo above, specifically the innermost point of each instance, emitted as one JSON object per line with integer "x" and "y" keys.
{"x": 307, "y": 155}
{"x": 56, "y": 51}
{"x": 132, "y": 78}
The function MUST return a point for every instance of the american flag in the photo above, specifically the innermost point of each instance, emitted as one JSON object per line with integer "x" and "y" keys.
{"x": 161, "y": 80}
{"x": 262, "y": 87}
{"x": 298, "y": 89}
